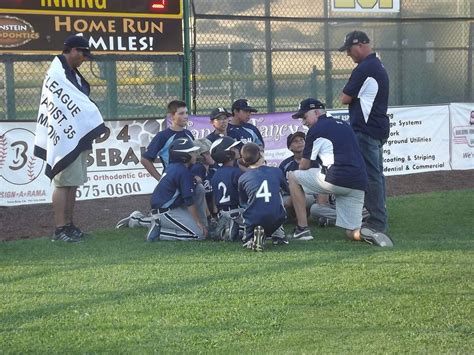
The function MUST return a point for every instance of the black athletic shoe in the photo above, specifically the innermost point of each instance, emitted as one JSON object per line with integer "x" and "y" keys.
{"x": 280, "y": 241}
{"x": 63, "y": 234}
{"x": 75, "y": 231}
{"x": 258, "y": 239}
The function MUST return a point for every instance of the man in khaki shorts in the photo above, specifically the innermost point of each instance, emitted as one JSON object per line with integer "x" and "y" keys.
{"x": 68, "y": 122}
{"x": 342, "y": 172}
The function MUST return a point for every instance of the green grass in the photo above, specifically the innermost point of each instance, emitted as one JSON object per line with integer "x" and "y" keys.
{"x": 115, "y": 293}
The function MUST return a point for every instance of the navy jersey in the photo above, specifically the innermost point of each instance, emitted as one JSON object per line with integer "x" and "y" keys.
{"x": 175, "y": 188}
{"x": 213, "y": 136}
{"x": 225, "y": 184}
{"x": 259, "y": 191}
{"x": 368, "y": 86}
{"x": 245, "y": 133}
{"x": 290, "y": 164}
{"x": 200, "y": 170}
{"x": 333, "y": 143}
{"x": 160, "y": 145}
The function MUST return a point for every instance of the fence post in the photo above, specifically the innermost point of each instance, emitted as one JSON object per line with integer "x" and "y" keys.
{"x": 111, "y": 78}
{"x": 313, "y": 82}
{"x": 469, "y": 90}
{"x": 269, "y": 60}
{"x": 327, "y": 59}
{"x": 187, "y": 55}
{"x": 10, "y": 90}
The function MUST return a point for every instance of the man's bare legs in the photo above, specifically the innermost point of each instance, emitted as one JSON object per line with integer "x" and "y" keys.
{"x": 64, "y": 199}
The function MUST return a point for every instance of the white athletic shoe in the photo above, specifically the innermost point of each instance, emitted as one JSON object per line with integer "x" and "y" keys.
{"x": 131, "y": 219}
{"x": 258, "y": 238}
{"x": 371, "y": 236}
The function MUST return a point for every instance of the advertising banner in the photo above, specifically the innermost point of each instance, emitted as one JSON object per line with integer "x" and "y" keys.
{"x": 114, "y": 167}
{"x": 274, "y": 127}
{"x": 419, "y": 142}
{"x": 462, "y": 136}
{"x": 125, "y": 27}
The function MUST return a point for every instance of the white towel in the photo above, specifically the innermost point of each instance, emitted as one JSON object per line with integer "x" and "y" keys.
{"x": 67, "y": 123}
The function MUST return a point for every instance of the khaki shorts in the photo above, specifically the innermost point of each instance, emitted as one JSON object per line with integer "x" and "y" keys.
{"x": 349, "y": 201}
{"x": 75, "y": 174}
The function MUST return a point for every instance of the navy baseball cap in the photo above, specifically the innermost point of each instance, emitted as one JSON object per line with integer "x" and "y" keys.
{"x": 218, "y": 112}
{"x": 80, "y": 42}
{"x": 243, "y": 104}
{"x": 292, "y": 136}
{"x": 354, "y": 37}
{"x": 307, "y": 105}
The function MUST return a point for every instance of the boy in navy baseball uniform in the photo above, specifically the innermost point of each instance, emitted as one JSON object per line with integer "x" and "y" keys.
{"x": 239, "y": 127}
{"x": 159, "y": 146}
{"x": 219, "y": 120}
{"x": 174, "y": 202}
{"x": 259, "y": 191}
{"x": 295, "y": 143}
{"x": 224, "y": 183}
{"x": 342, "y": 172}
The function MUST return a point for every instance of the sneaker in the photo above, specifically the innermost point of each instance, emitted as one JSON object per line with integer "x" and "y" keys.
{"x": 298, "y": 234}
{"x": 280, "y": 241}
{"x": 74, "y": 231}
{"x": 371, "y": 236}
{"x": 258, "y": 238}
{"x": 63, "y": 234}
{"x": 154, "y": 230}
{"x": 248, "y": 244}
{"x": 125, "y": 222}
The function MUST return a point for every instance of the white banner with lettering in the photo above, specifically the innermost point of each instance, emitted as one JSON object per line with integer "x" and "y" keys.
{"x": 420, "y": 142}
{"x": 114, "y": 167}
{"x": 462, "y": 136}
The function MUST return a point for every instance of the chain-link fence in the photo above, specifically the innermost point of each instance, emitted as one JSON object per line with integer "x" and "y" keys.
{"x": 276, "y": 53}
{"x": 123, "y": 87}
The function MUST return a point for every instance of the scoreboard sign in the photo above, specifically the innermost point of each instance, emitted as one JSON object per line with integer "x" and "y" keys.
{"x": 365, "y": 5}
{"x": 113, "y": 27}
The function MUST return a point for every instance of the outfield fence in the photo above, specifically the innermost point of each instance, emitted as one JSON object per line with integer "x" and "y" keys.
{"x": 274, "y": 53}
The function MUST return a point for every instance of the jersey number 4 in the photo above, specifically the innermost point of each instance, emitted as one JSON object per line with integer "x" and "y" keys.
{"x": 263, "y": 191}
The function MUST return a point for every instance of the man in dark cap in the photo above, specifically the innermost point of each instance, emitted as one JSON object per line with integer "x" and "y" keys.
{"x": 366, "y": 93}
{"x": 239, "y": 127}
{"x": 342, "y": 172}
{"x": 81, "y": 122}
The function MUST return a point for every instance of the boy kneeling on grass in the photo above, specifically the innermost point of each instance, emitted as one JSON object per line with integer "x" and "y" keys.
{"x": 175, "y": 200}
{"x": 259, "y": 191}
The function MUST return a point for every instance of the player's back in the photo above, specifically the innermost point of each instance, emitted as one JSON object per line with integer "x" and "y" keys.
{"x": 224, "y": 186}
{"x": 260, "y": 190}
{"x": 174, "y": 187}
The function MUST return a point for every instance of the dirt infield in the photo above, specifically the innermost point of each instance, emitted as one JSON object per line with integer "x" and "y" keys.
{"x": 32, "y": 221}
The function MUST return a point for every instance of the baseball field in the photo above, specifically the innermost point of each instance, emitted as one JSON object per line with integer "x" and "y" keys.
{"x": 115, "y": 293}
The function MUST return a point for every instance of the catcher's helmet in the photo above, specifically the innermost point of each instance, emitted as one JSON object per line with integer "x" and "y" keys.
{"x": 180, "y": 149}
{"x": 220, "y": 149}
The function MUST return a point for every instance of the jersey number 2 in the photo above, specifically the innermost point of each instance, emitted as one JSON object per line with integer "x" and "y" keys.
{"x": 263, "y": 192}
{"x": 224, "y": 198}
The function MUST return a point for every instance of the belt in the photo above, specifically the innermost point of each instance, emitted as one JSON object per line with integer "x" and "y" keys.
{"x": 324, "y": 169}
{"x": 163, "y": 210}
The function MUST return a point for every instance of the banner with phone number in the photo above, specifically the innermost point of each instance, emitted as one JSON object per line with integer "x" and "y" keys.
{"x": 114, "y": 167}
{"x": 419, "y": 142}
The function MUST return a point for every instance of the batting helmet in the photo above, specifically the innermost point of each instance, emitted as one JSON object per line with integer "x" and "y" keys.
{"x": 221, "y": 149}
{"x": 180, "y": 149}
